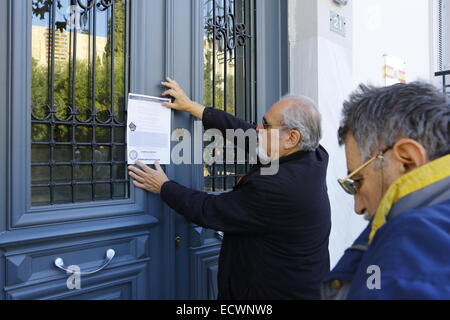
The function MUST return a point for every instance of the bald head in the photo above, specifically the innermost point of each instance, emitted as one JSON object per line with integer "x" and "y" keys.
{"x": 300, "y": 113}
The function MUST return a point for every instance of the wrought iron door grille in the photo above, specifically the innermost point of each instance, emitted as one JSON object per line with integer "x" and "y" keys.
{"x": 445, "y": 75}
{"x": 79, "y": 85}
{"x": 228, "y": 77}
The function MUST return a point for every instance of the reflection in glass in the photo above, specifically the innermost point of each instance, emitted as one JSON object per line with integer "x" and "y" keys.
{"x": 231, "y": 181}
{"x": 83, "y": 134}
{"x": 83, "y": 173}
{"x": 63, "y": 154}
{"x": 83, "y": 154}
{"x": 119, "y": 172}
{"x": 40, "y": 154}
{"x": 102, "y": 191}
{"x": 62, "y": 174}
{"x": 119, "y": 190}
{"x": 40, "y": 112}
{"x": 40, "y": 174}
{"x": 103, "y": 154}
{"x": 78, "y": 101}
{"x": 102, "y": 173}
{"x": 208, "y": 185}
{"x": 41, "y": 132}
{"x": 62, "y": 194}
{"x": 119, "y": 153}
{"x": 227, "y": 82}
{"x": 63, "y": 113}
{"x": 219, "y": 185}
{"x": 119, "y": 135}
{"x": 63, "y": 133}
{"x": 103, "y": 134}
{"x": 40, "y": 196}
{"x": 83, "y": 193}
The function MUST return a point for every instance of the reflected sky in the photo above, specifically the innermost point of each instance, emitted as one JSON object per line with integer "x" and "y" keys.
{"x": 63, "y": 13}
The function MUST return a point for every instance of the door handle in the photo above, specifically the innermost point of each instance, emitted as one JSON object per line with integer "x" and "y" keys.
{"x": 219, "y": 235}
{"x": 59, "y": 263}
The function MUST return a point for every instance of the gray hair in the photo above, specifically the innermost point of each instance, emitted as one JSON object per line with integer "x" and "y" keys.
{"x": 378, "y": 117}
{"x": 302, "y": 114}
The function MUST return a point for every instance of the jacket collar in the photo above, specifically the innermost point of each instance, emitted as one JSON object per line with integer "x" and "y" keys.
{"x": 426, "y": 176}
{"x": 292, "y": 157}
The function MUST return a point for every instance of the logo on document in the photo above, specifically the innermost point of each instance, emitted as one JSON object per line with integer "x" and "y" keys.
{"x": 133, "y": 127}
{"x": 134, "y": 155}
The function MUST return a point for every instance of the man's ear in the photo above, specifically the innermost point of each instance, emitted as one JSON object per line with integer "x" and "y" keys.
{"x": 294, "y": 139}
{"x": 410, "y": 154}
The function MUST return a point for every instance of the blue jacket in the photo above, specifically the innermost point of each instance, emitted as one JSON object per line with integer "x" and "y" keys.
{"x": 412, "y": 252}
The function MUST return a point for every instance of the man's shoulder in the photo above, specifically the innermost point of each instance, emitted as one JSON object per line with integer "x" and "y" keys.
{"x": 421, "y": 222}
{"x": 413, "y": 241}
{"x": 317, "y": 158}
{"x": 312, "y": 166}
{"x": 410, "y": 252}
{"x": 298, "y": 168}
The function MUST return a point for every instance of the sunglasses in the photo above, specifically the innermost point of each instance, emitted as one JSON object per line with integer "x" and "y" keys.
{"x": 348, "y": 184}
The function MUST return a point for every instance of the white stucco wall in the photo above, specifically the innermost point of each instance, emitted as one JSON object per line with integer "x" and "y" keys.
{"x": 327, "y": 67}
{"x": 401, "y": 28}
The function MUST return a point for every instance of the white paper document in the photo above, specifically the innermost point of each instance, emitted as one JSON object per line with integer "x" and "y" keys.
{"x": 148, "y": 130}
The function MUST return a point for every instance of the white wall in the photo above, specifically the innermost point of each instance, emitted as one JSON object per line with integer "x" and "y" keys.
{"x": 327, "y": 67}
{"x": 441, "y": 19}
{"x": 401, "y": 28}
{"x": 321, "y": 68}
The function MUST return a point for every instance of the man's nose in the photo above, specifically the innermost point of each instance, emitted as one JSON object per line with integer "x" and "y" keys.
{"x": 259, "y": 127}
{"x": 360, "y": 207}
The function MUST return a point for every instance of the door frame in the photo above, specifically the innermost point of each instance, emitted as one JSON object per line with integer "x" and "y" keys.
{"x": 175, "y": 269}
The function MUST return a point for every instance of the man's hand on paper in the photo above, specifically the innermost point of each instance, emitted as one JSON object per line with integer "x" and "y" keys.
{"x": 147, "y": 178}
{"x": 181, "y": 101}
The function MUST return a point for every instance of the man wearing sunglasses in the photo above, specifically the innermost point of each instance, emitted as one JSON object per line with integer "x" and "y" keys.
{"x": 276, "y": 227}
{"x": 397, "y": 142}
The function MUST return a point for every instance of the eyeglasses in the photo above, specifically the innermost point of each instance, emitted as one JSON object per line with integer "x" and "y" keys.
{"x": 348, "y": 184}
{"x": 267, "y": 125}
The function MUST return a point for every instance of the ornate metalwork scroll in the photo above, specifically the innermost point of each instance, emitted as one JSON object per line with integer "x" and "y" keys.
{"x": 226, "y": 28}
{"x": 228, "y": 79}
{"x": 78, "y": 102}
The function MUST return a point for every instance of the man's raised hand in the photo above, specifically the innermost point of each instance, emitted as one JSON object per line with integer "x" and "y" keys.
{"x": 181, "y": 101}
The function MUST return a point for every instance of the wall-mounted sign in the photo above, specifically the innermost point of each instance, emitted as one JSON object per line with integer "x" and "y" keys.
{"x": 394, "y": 70}
{"x": 338, "y": 23}
{"x": 341, "y": 2}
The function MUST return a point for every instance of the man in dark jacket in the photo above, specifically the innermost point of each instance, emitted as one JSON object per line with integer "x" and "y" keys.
{"x": 276, "y": 226}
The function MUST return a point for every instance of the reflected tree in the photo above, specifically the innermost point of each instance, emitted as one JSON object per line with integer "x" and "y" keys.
{"x": 56, "y": 99}
{"x": 62, "y": 85}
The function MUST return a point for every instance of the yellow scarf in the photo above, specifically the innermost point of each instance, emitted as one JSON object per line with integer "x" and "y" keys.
{"x": 409, "y": 183}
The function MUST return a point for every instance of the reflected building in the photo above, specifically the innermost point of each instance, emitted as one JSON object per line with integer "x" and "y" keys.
{"x": 41, "y": 45}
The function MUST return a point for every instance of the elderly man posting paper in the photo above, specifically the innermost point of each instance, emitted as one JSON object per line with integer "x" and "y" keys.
{"x": 276, "y": 226}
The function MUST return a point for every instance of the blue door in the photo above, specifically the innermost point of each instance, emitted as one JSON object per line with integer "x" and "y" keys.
{"x": 71, "y": 224}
